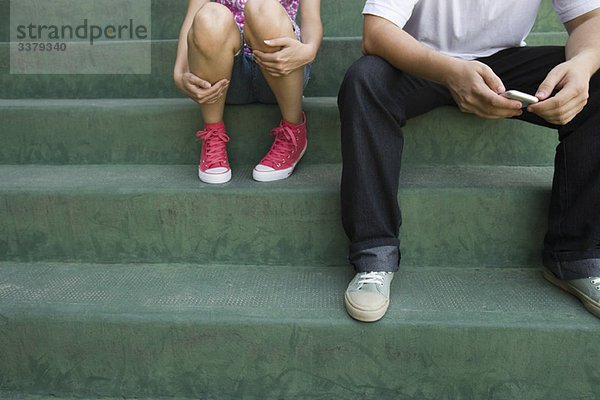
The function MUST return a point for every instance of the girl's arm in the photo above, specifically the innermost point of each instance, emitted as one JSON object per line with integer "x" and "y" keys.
{"x": 181, "y": 62}
{"x": 312, "y": 29}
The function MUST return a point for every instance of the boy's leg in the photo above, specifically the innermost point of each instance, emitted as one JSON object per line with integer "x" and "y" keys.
{"x": 375, "y": 101}
{"x": 572, "y": 243}
{"x": 213, "y": 41}
{"x": 267, "y": 19}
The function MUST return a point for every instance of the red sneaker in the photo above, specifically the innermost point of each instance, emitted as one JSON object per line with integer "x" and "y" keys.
{"x": 214, "y": 166}
{"x": 287, "y": 149}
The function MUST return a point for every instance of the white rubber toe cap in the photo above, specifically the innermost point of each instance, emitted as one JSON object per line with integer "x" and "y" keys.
{"x": 215, "y": 175}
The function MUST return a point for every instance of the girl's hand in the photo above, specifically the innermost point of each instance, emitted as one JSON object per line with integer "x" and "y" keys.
{"x": 291, "y": 55}
{"x": 199, "y": 90}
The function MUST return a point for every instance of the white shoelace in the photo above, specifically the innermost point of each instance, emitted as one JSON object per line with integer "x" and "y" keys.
{"x": 596, "y": 282}
{"x": 371, "y": 277}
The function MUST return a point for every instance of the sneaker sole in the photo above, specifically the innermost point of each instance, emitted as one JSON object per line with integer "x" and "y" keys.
{"x": 214, "y": 178}
{"x": 276, "y": 175}
{"x": 588, "y": 302}
{"x": 362, "y": 315}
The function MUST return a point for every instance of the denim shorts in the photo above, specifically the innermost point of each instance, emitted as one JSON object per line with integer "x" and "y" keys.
{"x": 248, "y": 85}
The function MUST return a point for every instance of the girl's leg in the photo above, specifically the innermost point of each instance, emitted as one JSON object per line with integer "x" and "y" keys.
{"x": 213, "y": 40}
{"x": 267, "y": 19}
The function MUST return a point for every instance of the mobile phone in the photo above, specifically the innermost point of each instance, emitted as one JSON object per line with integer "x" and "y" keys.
{"x": 524, "y": 98}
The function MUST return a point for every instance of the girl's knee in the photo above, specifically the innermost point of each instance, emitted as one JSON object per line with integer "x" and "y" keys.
{"x": 212, "y": 26}
{"x": 255, "y": 9}
{"x": 266, "y": 16}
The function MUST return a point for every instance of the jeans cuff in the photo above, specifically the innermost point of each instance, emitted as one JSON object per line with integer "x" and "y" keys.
{"x": 380, "y": 259}
{"x": 566, "y": 266}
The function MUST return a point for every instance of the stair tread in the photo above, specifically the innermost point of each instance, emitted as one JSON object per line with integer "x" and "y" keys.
{"x": 335, "y": 56}
{"x": 311, "y": 177}
{"x": 250, "y": 331}
{"x": 214, "y": 294}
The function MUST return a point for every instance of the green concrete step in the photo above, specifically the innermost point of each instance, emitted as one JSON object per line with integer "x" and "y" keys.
{"x": 340, "y": 18}
{"x": 273, "y": 332}
{"x": 335, "y": 56}
{"x": 147, "y": 213}
{"x": 162, "y": 131}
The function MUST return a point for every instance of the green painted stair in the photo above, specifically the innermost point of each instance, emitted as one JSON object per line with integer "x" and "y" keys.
{"x": 135, "y": 213}
{"x": 335, "y": 56}
{"x": 339, "y": 17}
{"x": 162, "y": 131}
{"x": 342, "y": 28}
{"x": 215, "y": 332}
{"x": 123, "y": 276}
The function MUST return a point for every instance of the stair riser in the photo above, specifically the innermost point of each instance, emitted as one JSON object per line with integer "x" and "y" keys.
{"x": 255, "y": 359}
{"x": 153, "y": 133}
{"x": 163, "y": 132}
{"x": 335, "y": 56}
{"x": 441, "y": 227}
{"x": 339, "y": 17}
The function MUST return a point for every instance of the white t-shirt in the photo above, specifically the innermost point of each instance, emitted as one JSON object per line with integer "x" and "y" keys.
{"x": 470, "y": 29}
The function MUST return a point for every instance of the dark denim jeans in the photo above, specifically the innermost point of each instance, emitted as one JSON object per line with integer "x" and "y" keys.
{"x": 376, "y": 100}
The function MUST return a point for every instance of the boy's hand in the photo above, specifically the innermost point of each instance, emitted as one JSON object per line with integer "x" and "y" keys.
{"x": 476, "y": 89}
{"x": 572, "y": 85}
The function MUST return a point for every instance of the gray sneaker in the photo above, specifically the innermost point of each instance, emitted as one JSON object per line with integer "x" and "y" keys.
{"x": 586, "y": 289}
{"x": 368, "y": 295}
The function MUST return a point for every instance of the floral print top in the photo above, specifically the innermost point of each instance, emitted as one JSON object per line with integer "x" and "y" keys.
{"x": 237, "y": 8}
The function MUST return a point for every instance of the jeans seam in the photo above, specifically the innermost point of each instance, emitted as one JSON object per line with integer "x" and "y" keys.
{"x": 565, "y": 191}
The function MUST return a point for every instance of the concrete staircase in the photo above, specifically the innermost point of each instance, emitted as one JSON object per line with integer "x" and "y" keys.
{"x": 123, "y": 276}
